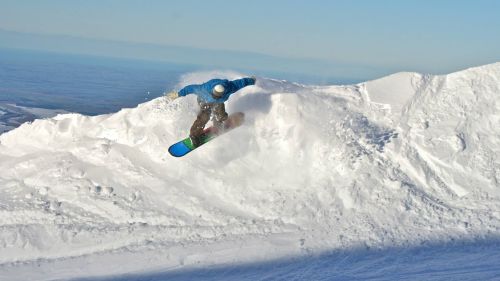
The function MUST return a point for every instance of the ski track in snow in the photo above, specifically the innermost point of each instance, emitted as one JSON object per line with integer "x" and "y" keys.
{"x": 402, "y": 162}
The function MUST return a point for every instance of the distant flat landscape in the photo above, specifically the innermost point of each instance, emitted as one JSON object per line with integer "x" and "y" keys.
{"x": 42, "y": 84}
{"x": 12, "y": 116}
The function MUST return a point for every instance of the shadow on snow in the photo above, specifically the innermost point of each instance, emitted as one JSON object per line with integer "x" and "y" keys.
{"x": 459, "y": 260}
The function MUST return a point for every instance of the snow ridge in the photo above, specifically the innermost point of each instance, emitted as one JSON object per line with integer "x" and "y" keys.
{"x": 404, "y": 160}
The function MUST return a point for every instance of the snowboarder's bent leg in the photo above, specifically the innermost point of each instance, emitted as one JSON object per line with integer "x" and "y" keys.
{"x": 199, "y": 123}
{"x": 220, "y": 115}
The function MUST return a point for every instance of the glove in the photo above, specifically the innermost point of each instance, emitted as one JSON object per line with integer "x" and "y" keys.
{"x": 253, "y": 78}
{"x": 172, "y": 95}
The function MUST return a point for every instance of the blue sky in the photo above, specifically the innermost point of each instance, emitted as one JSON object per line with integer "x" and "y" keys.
{"x": 367, "y": 36}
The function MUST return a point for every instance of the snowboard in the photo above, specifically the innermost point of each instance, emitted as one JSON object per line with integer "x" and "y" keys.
{"x": 185, "y": 146}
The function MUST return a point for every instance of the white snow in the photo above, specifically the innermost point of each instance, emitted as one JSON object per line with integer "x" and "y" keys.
{"x": 406, "y": 162}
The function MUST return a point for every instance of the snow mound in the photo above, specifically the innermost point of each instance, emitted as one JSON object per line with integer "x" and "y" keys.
{"x": 393, "y": 92}
{"x": 404, "y": 160}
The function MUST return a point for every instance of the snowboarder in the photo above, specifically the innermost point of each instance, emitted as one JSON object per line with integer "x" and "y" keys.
{"x": 211, "y": 97}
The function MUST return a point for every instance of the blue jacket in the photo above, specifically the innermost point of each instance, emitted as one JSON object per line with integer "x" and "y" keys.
{"x": 204, "y": 91}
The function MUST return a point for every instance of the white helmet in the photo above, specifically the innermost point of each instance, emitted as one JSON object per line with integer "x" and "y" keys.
{"x": 218, "y": 91}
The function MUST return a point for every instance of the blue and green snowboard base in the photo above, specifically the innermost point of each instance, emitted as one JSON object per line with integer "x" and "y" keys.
{"x": 185, "y": 146}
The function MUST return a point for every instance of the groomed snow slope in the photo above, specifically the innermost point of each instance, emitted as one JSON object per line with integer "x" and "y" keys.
{"x": 405, "y": 160}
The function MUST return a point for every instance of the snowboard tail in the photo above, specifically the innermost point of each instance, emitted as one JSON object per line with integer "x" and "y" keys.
{"x": 185, "y": 146}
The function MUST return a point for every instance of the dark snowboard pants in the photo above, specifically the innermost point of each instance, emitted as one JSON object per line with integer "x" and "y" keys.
{"x": 206, "y": 110}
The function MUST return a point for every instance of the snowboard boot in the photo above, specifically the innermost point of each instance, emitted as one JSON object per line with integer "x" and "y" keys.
{"x": 220, "y": 126}
{"x": 195, "y": 140}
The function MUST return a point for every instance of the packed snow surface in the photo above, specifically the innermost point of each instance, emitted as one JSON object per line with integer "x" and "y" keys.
{"x": 406, "y": 161}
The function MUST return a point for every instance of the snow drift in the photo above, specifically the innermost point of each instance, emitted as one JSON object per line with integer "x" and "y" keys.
{"x": 408, "y": 159}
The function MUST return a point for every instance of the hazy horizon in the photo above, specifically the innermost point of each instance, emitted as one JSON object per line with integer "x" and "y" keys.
{"x": 331, "y": 40}
{"x": 254, "y": 63}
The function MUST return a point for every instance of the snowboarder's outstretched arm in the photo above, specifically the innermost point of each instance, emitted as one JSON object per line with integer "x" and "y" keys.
{"x": 242, "y": 83}
{"x": 191, "y": 89}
